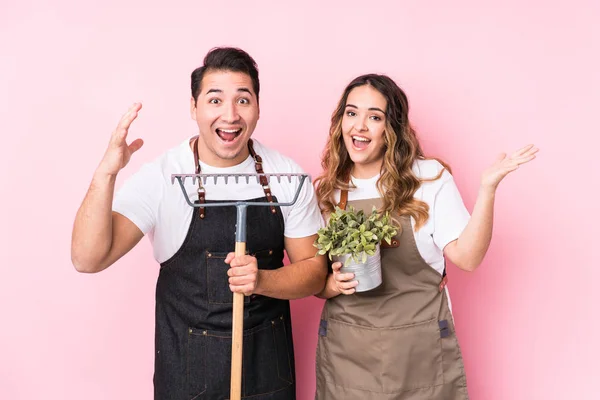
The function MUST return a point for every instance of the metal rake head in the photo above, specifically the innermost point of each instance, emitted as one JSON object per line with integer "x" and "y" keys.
{"x": 215, "y": 177}
{"x": 181, "y": 178}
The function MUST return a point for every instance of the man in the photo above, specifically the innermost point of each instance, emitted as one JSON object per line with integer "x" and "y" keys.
{"x": 193, "y": 244}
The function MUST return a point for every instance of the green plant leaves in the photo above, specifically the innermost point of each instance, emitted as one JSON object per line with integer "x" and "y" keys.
{"x": 352, "y": 232}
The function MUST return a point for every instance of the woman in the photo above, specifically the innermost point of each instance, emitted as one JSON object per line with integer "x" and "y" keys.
{"x": 397, "y": 341}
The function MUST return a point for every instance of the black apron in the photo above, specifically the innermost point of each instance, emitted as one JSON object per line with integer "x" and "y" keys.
{"x": 194, "y": 313}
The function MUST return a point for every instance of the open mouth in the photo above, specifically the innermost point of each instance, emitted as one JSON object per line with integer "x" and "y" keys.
{"x": 228, "y": 135}
{"x": 360, "y": 142}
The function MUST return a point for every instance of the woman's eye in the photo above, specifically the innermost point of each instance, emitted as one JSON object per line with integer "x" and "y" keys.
{"x": 350, "y": 113}
{"x": 376, "y": 118}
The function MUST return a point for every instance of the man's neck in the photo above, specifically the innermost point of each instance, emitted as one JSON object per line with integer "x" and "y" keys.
{"x": 209, "y": 158}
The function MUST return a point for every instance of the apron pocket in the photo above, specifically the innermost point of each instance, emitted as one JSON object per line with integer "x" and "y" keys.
{"x": 196, "y": 363}
{"x": 381, "y": 360}
{"x": 265, "y": 259}
{"x": 266, "y": 361}
{"x": 217, "y": 280}
{"x": 411, "y": 357}
{"x": 350, "y": 356}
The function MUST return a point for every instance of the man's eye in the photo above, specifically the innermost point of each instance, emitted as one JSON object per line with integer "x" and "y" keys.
{"x": 244, "y": 101}
{"x": 214, "y": 101}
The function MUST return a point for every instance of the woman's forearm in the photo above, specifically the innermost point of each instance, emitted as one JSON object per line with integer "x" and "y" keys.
{"x": 330, "y": 289}
{"x": 470, "y": 248}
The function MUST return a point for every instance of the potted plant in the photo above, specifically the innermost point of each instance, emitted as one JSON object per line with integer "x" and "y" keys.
{"x": 354, "y": 238}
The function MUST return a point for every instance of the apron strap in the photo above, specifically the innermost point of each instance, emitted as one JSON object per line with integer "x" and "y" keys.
{"x": 343, "y": 199}
{"x": 201, "y": 191}
{"x": 259, "y": 170}
{"x": 257, "y": 163}
{"x": 444, "y": 281}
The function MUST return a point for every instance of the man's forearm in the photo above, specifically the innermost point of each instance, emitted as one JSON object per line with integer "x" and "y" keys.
{"x": 92, "y": 230}
{"x": 302, "y": 279}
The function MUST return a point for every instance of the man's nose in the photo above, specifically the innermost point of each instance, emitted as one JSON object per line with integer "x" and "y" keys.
{"x": 230, "y": 113}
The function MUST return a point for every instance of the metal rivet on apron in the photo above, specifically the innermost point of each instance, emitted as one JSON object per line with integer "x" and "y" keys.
{"x": 190, "y": 330}
{"x": 209, "y": 255}
{"x": 272, "y": 322}
{"x": 270, "y": 252}
{"x": 281, "y": 318}
{"x": 204, "y": 333}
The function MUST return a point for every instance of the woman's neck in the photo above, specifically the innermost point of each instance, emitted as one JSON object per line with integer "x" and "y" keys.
{"x": 361, "y": 171}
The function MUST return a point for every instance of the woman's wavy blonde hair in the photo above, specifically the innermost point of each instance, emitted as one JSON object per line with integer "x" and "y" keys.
{"x": 397, "y": 183}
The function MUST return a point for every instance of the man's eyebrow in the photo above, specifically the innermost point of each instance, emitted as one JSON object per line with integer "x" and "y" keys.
{"x": 370, "y": 109}
{"x": 242, "y": 89}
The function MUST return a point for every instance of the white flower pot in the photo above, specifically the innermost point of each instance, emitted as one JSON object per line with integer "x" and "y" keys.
{"x": 368, "y": 274}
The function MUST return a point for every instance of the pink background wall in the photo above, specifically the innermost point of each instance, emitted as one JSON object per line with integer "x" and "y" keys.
{"x": 481, "y": 79}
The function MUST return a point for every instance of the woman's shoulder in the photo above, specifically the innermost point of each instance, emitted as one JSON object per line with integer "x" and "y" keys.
{"x": 427, "y": 168}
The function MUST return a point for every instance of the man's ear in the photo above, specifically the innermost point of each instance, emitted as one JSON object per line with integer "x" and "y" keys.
{"x": 193, "y": 108}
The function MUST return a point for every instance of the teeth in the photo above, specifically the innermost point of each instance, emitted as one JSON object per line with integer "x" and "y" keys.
{"x": 230, "y": 130}
{"x": 360, "y": 139}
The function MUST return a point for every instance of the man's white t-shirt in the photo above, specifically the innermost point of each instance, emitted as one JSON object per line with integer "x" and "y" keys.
{"x": 158, "y": 208}
{"x": 448, "y": 215}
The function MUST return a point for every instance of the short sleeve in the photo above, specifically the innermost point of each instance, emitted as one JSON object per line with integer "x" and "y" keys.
{"x": 305, "y": 217}
{"x": 138, "y": 198}
{"x": 449, "y": 212}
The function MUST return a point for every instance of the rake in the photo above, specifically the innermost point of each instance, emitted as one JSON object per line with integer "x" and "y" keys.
{"x": 237, "y": 326}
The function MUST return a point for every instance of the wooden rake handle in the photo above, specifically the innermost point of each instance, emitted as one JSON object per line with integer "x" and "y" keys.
{"x": 237, "y": 335}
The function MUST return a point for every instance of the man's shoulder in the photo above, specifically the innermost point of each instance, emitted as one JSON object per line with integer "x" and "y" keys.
{"x": 173, "y": 160}
{"x": 275, "y": 160}
{"x": 158, "y": 170}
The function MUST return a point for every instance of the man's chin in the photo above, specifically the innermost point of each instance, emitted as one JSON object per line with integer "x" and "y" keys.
{"x": 231, "y": 154}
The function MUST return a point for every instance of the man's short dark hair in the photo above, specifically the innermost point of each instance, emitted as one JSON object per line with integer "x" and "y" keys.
{"x": 226, "y": 59}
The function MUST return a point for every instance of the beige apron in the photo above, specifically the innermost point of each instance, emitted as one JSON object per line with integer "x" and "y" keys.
{"x": 396, "y": 341}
